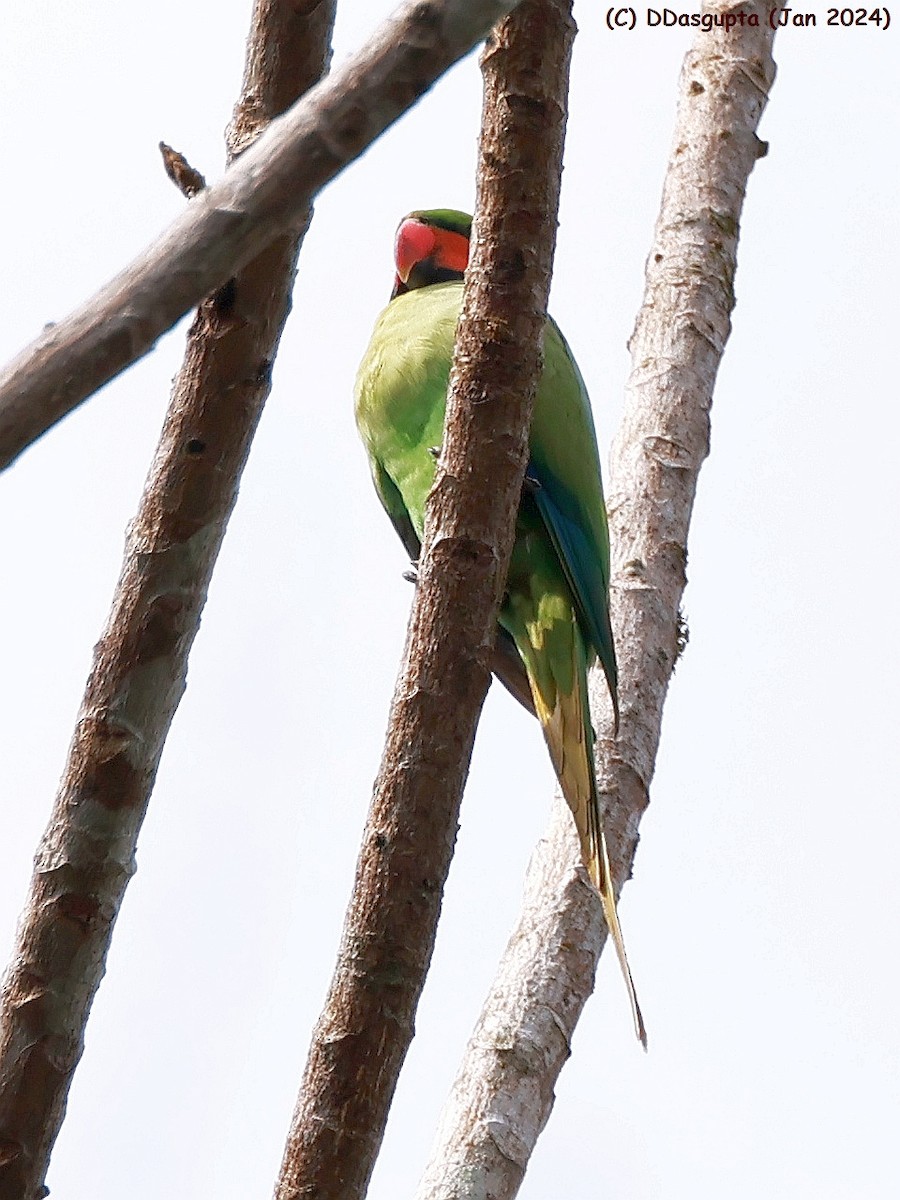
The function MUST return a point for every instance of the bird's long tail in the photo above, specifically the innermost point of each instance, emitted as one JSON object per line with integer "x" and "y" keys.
{"x": 601, "y": 877}
{"x": 569, "y": 735}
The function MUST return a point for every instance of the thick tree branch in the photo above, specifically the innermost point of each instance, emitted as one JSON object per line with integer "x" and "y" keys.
{"x": 502, "y": 1097}
{"x": 264, "y": 195}
{"x": 86, "y": 857}
{"x": 365, "y": 1029}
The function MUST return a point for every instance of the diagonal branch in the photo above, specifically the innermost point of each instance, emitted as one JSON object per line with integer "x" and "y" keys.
{"x": 86, "y": 857}
{"x": 363, "y": 1034}
{"x": 503, "y": 1094}
{"x": 263, "y": 196}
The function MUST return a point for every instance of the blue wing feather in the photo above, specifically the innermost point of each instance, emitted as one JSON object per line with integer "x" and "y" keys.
{"x": 577, "y": 553}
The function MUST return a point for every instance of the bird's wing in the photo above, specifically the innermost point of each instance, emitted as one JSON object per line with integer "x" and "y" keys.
{"x": 392, "y": 502}
{"x": 565, "y": 474}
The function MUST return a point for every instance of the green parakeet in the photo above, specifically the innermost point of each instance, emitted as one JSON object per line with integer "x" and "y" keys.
{"x": 554, "y": 619}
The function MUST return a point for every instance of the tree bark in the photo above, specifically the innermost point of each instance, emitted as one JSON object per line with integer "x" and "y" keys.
{"x": 363, "y": 1034}
{"x": 86, "y": 857}
{"x": 263, "y": 196}
{"x": 503, "y": 1094}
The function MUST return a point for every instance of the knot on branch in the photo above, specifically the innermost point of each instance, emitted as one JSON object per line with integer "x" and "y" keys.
{"x": 186, "y": 178}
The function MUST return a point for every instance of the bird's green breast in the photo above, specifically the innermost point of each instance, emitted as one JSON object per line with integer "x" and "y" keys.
{"x": 401, "y": 394}
{"x": 401, "y": 389}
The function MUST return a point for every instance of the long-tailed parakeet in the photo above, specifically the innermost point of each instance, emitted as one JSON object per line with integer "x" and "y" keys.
{"x": 554, "y": 618}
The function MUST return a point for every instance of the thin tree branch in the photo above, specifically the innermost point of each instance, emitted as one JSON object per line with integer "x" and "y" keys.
{"x": 263, "y": 196}
{"x": 86, "y": 857}
{"x": 363, "y": 1034}
{"x": 502, "y": 1097}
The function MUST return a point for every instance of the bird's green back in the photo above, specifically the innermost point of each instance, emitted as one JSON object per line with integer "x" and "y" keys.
{"x": 401, "y": 395}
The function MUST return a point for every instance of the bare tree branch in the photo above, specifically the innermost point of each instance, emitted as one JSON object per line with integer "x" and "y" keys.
{"x": 86, "y": 857}
{"x": 363, "y": 1034}
{"x": 503, "y": 1095}
{"x": 263, "y": 196}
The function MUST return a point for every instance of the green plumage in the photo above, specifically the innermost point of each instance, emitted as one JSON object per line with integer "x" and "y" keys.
{"x": 556, "y": 604}
{"x": 401, "y": 395}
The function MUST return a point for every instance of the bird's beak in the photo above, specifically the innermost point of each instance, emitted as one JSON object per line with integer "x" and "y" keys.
{"x": 414, "y": 243}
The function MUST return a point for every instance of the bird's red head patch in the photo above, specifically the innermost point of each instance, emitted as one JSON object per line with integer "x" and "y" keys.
{"x": 425, "y": 253}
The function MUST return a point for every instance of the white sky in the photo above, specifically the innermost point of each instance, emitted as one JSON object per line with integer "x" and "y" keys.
{"x": 762, "y": 919}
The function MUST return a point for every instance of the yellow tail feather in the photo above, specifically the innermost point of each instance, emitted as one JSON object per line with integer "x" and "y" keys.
{"x": 601, "y": 877}
{"x": 565, "y": 730}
